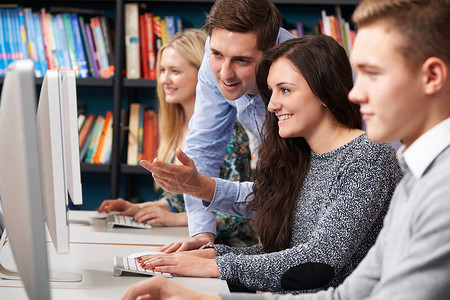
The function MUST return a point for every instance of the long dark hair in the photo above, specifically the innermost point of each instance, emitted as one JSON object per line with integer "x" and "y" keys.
{"x": 283, "y": 162}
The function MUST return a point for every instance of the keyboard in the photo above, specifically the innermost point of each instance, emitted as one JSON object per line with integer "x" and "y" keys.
{"x": 119, "y": 220}
{"x": 129, "y": 266}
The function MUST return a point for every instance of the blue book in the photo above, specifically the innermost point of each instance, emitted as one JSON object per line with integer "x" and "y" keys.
{"x": 22, "y": 34}
{"x": 170, "y": 26}
{"x": 40, "y": 43}
{"x": 9, "y": 40}
{"x": 32, "y": 41}
{"x": 15, "y": 34}
{"x": 90, "y": 62}
{"x": 2, "y": 46}
{"x": 59, "y": 32}
{"x": 79, "y": 46}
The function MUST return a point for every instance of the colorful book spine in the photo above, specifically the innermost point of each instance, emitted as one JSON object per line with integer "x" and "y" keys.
{"x": 48, "y": 42}
{"x": 133, "y": 134}
{"x": 92, "y": 50}
{"x": 70, "y": 42}
{"x": 100, "y": 47}
{"x": 3, "y": 64}
{"x": 140, "y": 133}
{"x": 9, "y": 56}
{"x": 157, "y": 32}
{"x": 170, "y": 27}
{"x": 106, "y": 124}
{"x": 93, "y": 143}
{"x": 108, "y": 43}
{"x": 40, "y": 43}
{"x": 60, "y": 43}
{"x": 151, "y": 45}
{"x": 87, "y": 53}
{"x": 16, "y": 34}
{"x": 32, "y": 41}
{"x": 79, "y": 46}
{"x": 84, "y": 131}
{"x": 23, "y": 34}
{"x": 107, "y": 144}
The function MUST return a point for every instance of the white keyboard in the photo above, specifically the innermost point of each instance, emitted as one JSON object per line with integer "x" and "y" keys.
{"x": 119, "y": 220}
{"x": 127, "y": 265}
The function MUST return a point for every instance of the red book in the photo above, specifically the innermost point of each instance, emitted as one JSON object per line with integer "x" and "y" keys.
{"x": 150, "y": 144}
{"x": 151, "y": 45}
{"x": 85, "y": 129}
{"x": 143, "y": 39}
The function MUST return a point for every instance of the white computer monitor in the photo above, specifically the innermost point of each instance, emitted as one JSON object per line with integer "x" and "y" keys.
{"x": 52, "y": 157}
{"x": 71, "y": 149}
{"x": 20, "y": 179}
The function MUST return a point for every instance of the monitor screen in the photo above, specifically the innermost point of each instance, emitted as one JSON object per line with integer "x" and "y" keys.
{"x": 20, "y": 178}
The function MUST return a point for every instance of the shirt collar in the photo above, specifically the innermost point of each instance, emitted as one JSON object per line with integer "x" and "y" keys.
{"x": 425, "y": 149}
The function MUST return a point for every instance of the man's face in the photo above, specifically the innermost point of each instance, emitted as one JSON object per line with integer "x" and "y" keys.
{"x": 234, "y": 57}
{"x": 390, "y": 94}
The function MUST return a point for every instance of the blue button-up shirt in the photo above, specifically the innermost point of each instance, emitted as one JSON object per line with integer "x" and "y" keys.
{"x": 209, "y": 132}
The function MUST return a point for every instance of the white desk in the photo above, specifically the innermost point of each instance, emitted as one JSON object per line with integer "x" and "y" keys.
{"x": 84, "y": 228}
{"x": 92, "y": 250}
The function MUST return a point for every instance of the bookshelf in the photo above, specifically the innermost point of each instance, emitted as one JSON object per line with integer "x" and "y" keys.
{"x": 117, "y": 178}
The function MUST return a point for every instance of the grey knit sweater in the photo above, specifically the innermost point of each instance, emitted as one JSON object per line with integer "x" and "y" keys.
{"x": 339, "y": 214}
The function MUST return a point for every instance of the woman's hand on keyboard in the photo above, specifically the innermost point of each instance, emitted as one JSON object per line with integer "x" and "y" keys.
{"x": 158, "y": 215}
{"x": 181, "y": 263}
{"x": 125, "y": 207}
{"x": 159, "y": 287}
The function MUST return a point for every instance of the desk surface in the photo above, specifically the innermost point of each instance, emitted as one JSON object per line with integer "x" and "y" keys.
{"x": 85, "y": 228}
{"x": 92, "y": 250}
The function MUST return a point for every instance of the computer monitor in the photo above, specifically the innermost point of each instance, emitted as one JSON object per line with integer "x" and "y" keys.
{"x": 70, "y": 123}
{"x": 20, "y": 178}
{"x": 52, "y": 158}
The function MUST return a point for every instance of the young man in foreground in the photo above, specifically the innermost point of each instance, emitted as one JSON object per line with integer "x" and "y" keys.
{"x": 403, "y": 86}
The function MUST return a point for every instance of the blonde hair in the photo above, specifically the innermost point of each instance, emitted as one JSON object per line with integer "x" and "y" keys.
{"x": 191, "y": 45}
{"x": 422, "y": 25}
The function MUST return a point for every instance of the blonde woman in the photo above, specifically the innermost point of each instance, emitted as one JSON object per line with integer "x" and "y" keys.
{"x": 177, "y": 67}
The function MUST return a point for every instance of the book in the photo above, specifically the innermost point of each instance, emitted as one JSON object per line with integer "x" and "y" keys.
{"x": 163, "y": 31}
{"x": 143, "y": 38}
{"x": 150, "y": 139}
{"x": 170, "y": 27}
{"x": 84, "y": 131}
{"x": 106, "y": 125}
{"x": 87, "y": 52}
{"x": 80, "y": 123}
{"x": 300, "y": 29}
{"x": 49, "y": 44}
{"x": 79, "y": 46}
{"x": 178, "y": 24}
{"x": 132, "y": 57}
{"x": 61, "y": 51}
{"x": 32, "y": 42}
{"x": 92, "y": 51}
{"x": 107, "y": 144}
{"x": 9, "y": 49}
{"x": 133, "y": 134}
{"x": 108, "y": 43}
{"x": 22, "y": 34}
{"x": 140, "y": 133}
{"x": 2, "y": 46}
{"x": 40, "y": 43}
{"x": 157, "y": 32}
{"x": 100, "y": 48}
{"x": 84, "y": 148}
{"x": 95, "y": 139}
{"x": 151, "y": 46}
{"x": 70, "y": 43}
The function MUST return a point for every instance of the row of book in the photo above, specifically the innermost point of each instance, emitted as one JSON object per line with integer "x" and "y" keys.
{"x": 95, "y": 136}
{"x": 331, "y": 25}
{"x": 145, "y": 33}
{"x": 65, "y": 41}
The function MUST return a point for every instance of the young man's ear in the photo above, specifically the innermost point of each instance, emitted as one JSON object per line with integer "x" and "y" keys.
{"x": 435, "y": 72}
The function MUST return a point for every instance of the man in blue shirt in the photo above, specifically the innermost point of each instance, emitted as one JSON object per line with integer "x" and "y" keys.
{"x": 240, "y": 32}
